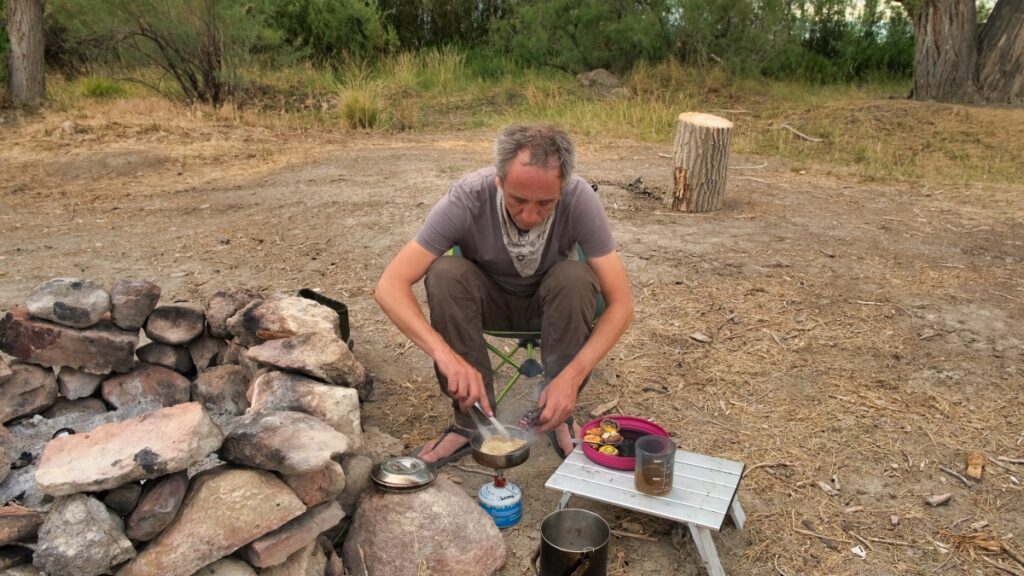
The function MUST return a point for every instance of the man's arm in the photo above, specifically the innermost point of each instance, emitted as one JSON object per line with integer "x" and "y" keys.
{"x": 559, "y": 397}
{"x": 395, "y": 297}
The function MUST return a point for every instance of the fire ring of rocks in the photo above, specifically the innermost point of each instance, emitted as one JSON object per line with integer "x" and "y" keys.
{"x": 228, "y": 442}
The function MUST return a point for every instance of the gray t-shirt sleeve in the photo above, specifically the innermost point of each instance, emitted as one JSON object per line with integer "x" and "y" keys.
{"x": 590, "y": 223}
{"x": 446, "y": 224}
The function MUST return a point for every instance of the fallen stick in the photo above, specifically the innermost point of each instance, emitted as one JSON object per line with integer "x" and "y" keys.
{"x": 1001, "y": 566}
{"x": 862, "y": 540}
{"x": 892, "y": 542}
{"x": 634, "y": 535}
{"x": 1011, "y": 460}
{"x": 761, "y": 180}
{"x": 752, "y": 167}
{"x": 800, "y": 134}
{"x": 958, "y": 476}
{"x": 1000, "y": 464}
{"x": 764, "y": 465}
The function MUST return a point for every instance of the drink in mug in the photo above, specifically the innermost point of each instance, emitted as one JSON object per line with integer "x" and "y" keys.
{"x": 655, "y": 463}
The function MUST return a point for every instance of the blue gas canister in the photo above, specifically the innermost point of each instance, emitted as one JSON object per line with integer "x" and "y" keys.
{"x": 503, "y": 500}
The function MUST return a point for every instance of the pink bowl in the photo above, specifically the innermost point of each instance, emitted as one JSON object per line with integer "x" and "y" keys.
{"x": 626, "y": 423}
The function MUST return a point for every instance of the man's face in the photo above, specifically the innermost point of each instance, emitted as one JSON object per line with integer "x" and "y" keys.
{"x": 531, "y": 192}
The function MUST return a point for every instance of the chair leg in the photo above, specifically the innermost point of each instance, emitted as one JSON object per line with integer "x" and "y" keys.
{"x": 736, "y": 513}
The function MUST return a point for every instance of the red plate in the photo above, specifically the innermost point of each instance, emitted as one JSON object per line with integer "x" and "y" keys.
{"x": 626, "y": 424}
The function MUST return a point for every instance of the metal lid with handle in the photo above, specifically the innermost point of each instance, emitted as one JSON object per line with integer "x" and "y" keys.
{"x": 403, "y": 474}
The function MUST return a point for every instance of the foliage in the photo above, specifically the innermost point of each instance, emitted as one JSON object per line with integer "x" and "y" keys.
{"x": 100, "y": 88}
{"x": 578, "y": 35}
{"x": 330, "y": 30}
{"x": 5, "y": 44}
{"x": 195, "y": 43}
{"x": 433, "y": 23}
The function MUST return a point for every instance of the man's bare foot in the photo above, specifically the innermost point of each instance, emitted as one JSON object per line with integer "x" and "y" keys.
{"x": 565, "y": 439}
{"x": 449, "y": 442}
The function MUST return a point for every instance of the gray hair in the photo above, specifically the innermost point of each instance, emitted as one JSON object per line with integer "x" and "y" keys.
{"x": 548, "y": 145}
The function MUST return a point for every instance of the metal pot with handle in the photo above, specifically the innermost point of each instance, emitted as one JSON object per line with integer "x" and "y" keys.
{"x": 574, "y": 542}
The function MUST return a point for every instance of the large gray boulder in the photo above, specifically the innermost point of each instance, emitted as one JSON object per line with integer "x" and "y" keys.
{"x": 157, "y": 443}
{"x": 227, "y": 567}
{"x": 80, "y": 537}
{"x": 132, "y": 301}
{"x": 282, "y": 441}
{"x": 74, "y": 384}
{"x": 176, "y": 358}
{"x": 225, "y": 508}
{"x": 309, "y": 561}
{"x": 101, "y": 349}
{"x": 29, "y": 390}
{"x": 317, "y": 486}
{"x": 337, "y": 406}
{"x": 438, "y": 526}
{"x": 73, "y": 302}
{"x": 357, "y": 468}
{"x": 83, "y": 406}
{"x": 207, "y": 351}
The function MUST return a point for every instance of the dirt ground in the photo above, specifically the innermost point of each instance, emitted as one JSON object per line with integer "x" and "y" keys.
{"x": 867, "y": 331}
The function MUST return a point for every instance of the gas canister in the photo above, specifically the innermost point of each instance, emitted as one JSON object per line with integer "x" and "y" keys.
{"x": 503, "y": 500}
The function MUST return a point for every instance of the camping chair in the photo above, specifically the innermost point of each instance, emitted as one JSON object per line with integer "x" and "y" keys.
{"x": 526, "y": 341}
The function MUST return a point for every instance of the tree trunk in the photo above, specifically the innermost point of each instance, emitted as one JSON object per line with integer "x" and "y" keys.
{"x": 1001, "y": 54}
{"x": 26, "y": 78}
{"x": 945, "y": 55}
{"x": 701, "y": 158}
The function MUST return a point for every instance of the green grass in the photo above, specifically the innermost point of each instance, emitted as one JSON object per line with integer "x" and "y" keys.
{"x": 870, "y": 129}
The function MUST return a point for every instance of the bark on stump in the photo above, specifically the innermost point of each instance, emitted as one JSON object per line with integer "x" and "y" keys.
{"x": 701, "y": 158}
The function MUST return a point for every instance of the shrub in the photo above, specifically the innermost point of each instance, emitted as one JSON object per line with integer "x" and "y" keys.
{"x": 330, "y": 30}
{"x": 101, "y": 88}
{"x": 360, "y": 109}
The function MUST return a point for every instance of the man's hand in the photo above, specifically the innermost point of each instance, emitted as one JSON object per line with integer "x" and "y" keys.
{"x": 557, "y": 400}
{"x": 465, "y": 384}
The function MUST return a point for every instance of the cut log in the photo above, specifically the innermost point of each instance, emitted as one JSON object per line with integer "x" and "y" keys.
{"x": 701, "y": 158}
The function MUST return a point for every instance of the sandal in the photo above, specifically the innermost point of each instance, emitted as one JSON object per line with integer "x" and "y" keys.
{"x": 553, "y": 436}
{"x": 454, "y": 456}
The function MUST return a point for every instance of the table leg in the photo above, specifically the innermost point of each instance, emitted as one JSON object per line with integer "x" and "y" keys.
{"x": 736, "y": 513}
{"x": 564, "y": 500}
{"x": 706, "y": 548}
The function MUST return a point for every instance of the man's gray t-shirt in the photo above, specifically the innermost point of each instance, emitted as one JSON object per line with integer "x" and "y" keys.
{"x": 467, "y": 217}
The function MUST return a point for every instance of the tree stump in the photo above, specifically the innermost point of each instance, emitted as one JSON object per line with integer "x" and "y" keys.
{"x": 701, "y": 158}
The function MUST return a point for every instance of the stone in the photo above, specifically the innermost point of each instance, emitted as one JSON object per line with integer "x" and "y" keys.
{"x": 80, "y": 537}
{"x": 207, "y": 351}
{"x": 337, "y": 406}
{"x": 19, "y": 524}
{"x": 31, "y": 435}
{"x": 380, "y": 445}
{"x": 74, "y": 384}
{"x": 147, "y": 385}
{"x": 73, "y": 302}
{"x": 65, "y": 407}
{"x": 29, "y": 390}
{"x": 222, "y": 306}
{"x": 157, "y": 507}
{"x": 98, "y": 350}
{"x": 225, "y": 508}
{"x": 7, "y": 453}
{"x": 161, "y": 442}
{"x": 227, "y": 567}
{"x": 357, "y": 468}
{"x": 123, "y": 499}
{"x": 275, "y": 548}
{"x": 222, "y": 389}
{"x": 282, "y": 316}
{"x": 132, "y": 301}
{"x": 176, "y": 358}
{"x": 324, "y": 357}
{"x": 318, "y": 486}
{"x": 175, "y": 324}
{"x": 309, "y": 561}
{"x": 439, "y": 527}
{"x": 14, "y": 562}
{"x": 599, "y": 77}
{"x": 5, "y": 371}
{"x": 335, "y": 567}
{"x": 285, "y": 442}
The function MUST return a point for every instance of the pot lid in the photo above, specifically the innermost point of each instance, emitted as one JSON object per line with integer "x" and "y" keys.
{"x": 403, "y": 473}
